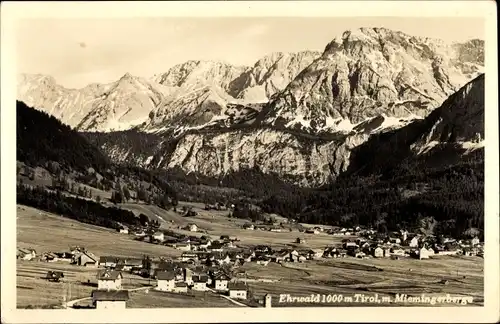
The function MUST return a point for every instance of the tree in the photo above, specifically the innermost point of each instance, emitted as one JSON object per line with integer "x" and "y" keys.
{"x": 427, "y": 225}
{"x": 116, "y": 197}
{"x": 143, "y": 219}
{"x": 126, "y": 193}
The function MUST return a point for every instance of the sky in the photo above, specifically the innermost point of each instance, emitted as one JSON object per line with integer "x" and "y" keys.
{"x": 77, "y": 52}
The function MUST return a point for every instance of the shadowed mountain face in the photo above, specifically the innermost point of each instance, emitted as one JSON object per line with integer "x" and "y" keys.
{"x": 452, "y": 133}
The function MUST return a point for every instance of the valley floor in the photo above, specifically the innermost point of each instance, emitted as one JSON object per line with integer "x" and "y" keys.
{"x": 42, "y": 231}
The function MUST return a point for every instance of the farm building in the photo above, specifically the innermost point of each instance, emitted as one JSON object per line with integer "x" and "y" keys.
{"x": 248, "y": 227}
{"x": 54, "y": 276}
{"x": 123, "y": 230}
{"x": 165, "y": 281}
{"x": 109, "y": 280}
{"x": 193, "y": 227}
{"x": 108, "y": 261}
{"x": 26, "y": 254}
{"x": 159, "y": 236}
{"x": 86, "y": 259}
{"x": 117, "y": 299}
{"x": 238, "y": 290}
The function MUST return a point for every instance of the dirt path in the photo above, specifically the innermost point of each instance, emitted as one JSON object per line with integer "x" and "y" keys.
{"x": 228, "y": 298}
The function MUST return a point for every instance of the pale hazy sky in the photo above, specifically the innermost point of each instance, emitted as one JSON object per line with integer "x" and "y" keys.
{"x": 81, "y": 51}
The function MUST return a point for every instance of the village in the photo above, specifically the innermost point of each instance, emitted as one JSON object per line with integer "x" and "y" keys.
{"x": 211, "y": 263}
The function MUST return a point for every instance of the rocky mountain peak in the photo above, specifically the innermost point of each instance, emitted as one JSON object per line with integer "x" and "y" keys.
{"x": 368, "y": 72}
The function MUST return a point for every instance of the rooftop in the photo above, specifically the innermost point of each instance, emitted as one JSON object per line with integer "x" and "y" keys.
{"x": 111, "y": 295}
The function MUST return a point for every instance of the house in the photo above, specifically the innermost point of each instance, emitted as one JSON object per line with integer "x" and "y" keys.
{"x": 102, "y": 299}
{"x": 188, "y": 276}
{"x": 398, "y": 251}
{"x": 350, "y": 245}
{"x": 359, "y": 254}
{"x": 183, "y": 246}
{"x": 187, "y": 256}
{"x": 469, "y": 252}
{"x": 131, "y": 264}
{"x": 140, "y": 234}
{"x": 263, "y": 261}
{"x": 248, "y": 226}
{"x": 378, "y": 252}
{"x": 26, "y": 254}
{"x": 54, "y": 276}
{"x": 165, "y": 281}
{"x": 193, "y": 227}
{"x": 200, "y": 283}
{"x": 123, "y": 230}
{"x": 109, "y": 280}
{"x": 474, "y": 241}
{"x": 216, "y": 246}
{"x": 423, "y": 253}
{"x": 86, "y": 259}
{"x": 299, "y": 240}
{"x": 394, "y": 240}
{"x": 108, "y": 261}
{"x": 238, "y": 290}
{"x": 49, "y": 257}
{"x": 312, "y": 231}
{"x": 414, "y": 242}
{"x": 404, "y": 235}
{"x": 180, "y": 287}
{"x": 159, "y": 236}
{"x": 221, "y": 280}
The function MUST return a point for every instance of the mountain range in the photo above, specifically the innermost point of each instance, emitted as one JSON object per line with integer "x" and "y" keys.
{"x": 298, "y": 115}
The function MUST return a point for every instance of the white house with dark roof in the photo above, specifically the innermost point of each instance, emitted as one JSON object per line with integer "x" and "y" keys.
{"x": 108, "y": 261}
{"x": 110, "y": 300}
{"x": 237, "y": 290}
{"x": 220, "y": 282}
{"x": 109, "y": 280}
{"x": 200, "y": 283}
{"x": 181, "y": 287}
{"x": 165, "y": 281}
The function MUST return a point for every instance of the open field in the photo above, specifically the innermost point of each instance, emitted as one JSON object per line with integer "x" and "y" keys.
{"x": 78, "y": 282}
{"x": 152, "y": 299}
{"x": 45, "y": 232}
{"x": 216, "y": 223}
{"x": 384, "y": 277}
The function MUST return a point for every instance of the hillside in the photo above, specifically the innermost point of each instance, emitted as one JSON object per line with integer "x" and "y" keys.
{"x": 42, "y": 138}
{"x": 60, "y": 171}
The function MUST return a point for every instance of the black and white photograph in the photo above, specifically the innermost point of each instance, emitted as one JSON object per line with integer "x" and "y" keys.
{"x": 193, "y": 161}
